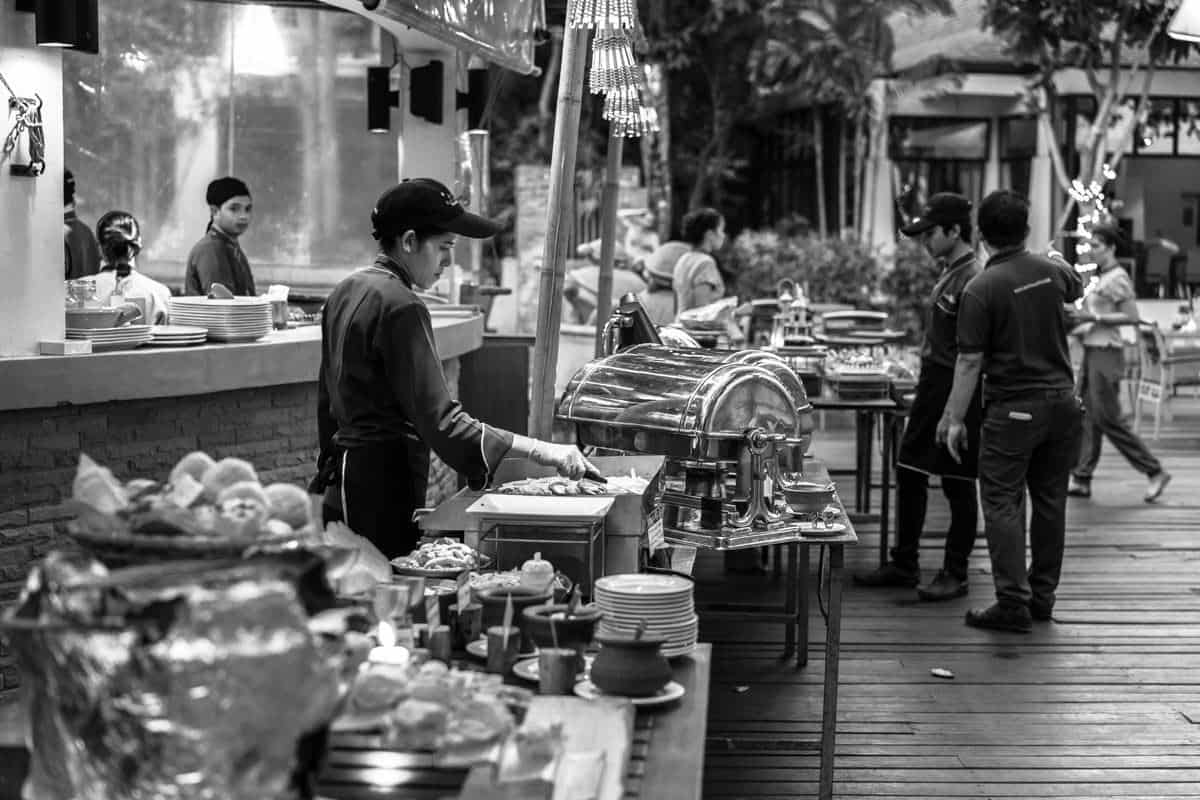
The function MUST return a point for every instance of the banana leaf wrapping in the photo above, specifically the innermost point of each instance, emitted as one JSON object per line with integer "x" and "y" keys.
{"x": 182, "y": 680}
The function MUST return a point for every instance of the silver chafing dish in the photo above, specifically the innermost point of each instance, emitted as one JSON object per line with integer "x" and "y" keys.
{"x": 733, "y": 425}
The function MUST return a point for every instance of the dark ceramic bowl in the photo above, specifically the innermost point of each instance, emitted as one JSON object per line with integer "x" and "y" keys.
{"x": 630, "y": 667}
{"x": 575, "y": 632}
{"x": 493, "y": 602}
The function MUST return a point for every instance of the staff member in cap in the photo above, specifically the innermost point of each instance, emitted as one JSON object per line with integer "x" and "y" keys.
{"x": 218, "y": 258}
{"x": 382, "y": 398}
{"x": 944, "y": 230}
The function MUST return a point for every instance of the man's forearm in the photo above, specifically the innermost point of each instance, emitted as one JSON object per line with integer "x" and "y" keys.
{"x": 966, "y": 378}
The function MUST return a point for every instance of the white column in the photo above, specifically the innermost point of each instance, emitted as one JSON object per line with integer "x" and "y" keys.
{"x": 880, "y": 230}
{"x": 991, "y": 170}
{"x": 31, "y": 209}
{"x": 1042, "y": 197}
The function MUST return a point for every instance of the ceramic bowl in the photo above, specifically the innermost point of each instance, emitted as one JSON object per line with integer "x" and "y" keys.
{"x": 630, "y": 667}
{"x": 574, "y": 633}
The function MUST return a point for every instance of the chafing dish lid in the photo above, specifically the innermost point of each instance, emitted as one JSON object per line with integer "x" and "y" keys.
{"x": 683, "y": 391}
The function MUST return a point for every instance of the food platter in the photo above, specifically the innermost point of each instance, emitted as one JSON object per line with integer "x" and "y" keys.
{"x": 417, "y": 572}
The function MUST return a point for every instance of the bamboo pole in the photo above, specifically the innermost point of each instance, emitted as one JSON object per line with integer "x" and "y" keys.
{"x": 554, "y": 256}
{"x": 608, "y": 236}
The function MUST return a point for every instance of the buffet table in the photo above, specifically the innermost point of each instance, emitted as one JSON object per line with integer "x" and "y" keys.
{"x": 666, "y": 759}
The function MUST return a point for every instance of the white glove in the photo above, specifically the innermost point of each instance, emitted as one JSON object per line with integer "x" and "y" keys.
{"x": 565, "y": 458}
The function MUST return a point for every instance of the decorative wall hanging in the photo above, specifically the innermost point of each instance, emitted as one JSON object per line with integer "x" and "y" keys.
{"x": 25, "y": 116}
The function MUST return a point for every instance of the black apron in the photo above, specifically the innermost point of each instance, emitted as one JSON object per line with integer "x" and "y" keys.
{"x": 919, "y": 449}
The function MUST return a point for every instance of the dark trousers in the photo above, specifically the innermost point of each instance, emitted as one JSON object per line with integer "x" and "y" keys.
{"x": 1029, "y": 443}
{"x": 378, "y": 490}
{"x": 1100, "y": 387}
{"x": 912, "y": 498}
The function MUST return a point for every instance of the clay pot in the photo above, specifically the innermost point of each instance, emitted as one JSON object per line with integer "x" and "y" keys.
{"x": 575, "y": 633}
{"x": 493, "y": 601}
{"x": 630, "y": 667}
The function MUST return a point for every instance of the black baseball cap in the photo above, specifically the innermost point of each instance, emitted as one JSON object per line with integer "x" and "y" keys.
{"x": 944, "y": 209}
{"x": 421, "y": 203}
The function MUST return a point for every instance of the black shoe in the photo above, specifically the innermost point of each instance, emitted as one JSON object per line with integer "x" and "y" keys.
{"x": 1040, "y": 611}
{"x": 944, "y": 586}
{"x": 890, "y": 574}
{"x": 1001, "y": 618}
{"x": 1078, "y": 488}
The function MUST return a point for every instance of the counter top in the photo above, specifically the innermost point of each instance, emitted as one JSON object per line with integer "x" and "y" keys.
{"x": 283, "y": 357}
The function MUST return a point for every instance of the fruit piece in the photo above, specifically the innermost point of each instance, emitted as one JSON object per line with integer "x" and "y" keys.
{"x": 96, "y": 486}
{"x": 225, "y": 473}
{"x": 289, "y": 503}
{"x": 194, "y": 464}
{"x": 248, "y": 490}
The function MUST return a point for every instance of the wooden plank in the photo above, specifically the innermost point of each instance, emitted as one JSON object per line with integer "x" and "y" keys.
{"x": 678, "y": 734}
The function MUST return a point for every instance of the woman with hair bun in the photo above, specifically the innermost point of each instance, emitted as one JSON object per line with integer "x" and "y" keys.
{"x": 120, "y": 238}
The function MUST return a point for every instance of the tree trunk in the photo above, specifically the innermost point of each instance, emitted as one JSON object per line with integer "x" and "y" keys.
{"x": 860, "y": 191}
{"x": 843, "y": 165}
{"x": 819, "y": 168}
{"x": 656, "y": 151}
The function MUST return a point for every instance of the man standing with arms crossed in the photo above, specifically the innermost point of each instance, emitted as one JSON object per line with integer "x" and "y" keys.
{"x": 1012, "y": 328}
{"x": 944, "y": 230}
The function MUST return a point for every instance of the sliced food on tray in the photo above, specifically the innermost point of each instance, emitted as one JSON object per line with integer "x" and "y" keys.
{"x": 441, "y": 554}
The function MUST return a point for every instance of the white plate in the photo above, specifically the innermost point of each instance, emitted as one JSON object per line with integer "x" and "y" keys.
{"x": 546, "y": 510}
{"x": 811, "y": 531}
{"x": 643, "y": 584}
{"x": 669, "y": 693}
{"x": 177, "y": 342}
{"x": 178, "y": 330}
{"x": 528, "y": 669}
{"x": 204, "y": 302}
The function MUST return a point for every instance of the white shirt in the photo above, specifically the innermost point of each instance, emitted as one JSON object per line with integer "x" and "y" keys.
{"x": 135, "y": 284}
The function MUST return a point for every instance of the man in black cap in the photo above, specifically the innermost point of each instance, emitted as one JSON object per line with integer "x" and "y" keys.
{"x": 82, "y": 250}
{"x": 944, "y": 230}
{"x": 1012, "y": 328}
{"x": 383, "y": 403}
{"x": 218, "y": 258}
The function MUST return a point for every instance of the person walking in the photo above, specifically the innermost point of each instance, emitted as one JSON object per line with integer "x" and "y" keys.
{"x": 1012, "y": 328}
{"x": 944, "y": 230}
{"x": 1107, "y": 307}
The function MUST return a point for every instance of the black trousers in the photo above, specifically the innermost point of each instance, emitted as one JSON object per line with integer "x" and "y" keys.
{"x": 377, "y": 491}
{"x": 912, "y": 499}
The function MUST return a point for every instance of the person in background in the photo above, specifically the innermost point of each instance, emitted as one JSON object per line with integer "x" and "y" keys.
{"x": 658, "y": 298}
{"x": 120, "y": 242}
{"x": 1107, "y": 307}
{"x": 1013, "y": 330}
{"x": 382, "y": 400}
{"x": 697, "y": 280}
{"x": 218, "y": 258}
{"x": 82, "y": 249}
{"x": 1185, "y": 321}
{"x": 944, "y": 229}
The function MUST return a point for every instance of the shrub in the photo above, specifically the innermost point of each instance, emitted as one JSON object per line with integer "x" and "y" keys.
{"x": 908, "y": 286}
{"x": 833, "y": 269}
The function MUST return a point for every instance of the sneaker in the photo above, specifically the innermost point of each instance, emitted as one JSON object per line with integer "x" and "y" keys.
{"x": 1078, "y": 488}
{"x": 890, "y": 574}
{"x": 1041, "y": 612}
{"x": 944, "y": 586}
{"x": 1157, "y": 483}
{"x": 1001, "y": 618}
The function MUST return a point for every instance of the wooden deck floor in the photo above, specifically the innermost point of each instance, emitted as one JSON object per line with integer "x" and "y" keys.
{"x": 1104, "y": 702}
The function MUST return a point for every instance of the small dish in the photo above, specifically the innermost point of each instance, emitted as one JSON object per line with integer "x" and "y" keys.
{"x": 528, "y": 669}
{"x": 479, "y": 649}
{"x": 668, "y": 694}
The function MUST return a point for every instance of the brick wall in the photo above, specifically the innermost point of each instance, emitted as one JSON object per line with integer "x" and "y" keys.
{"x": 273, "y": 428}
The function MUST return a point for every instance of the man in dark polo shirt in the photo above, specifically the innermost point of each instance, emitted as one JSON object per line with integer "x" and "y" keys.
{"x": 382, "y": 398}
{"x": 944, "y": 230}
{"x": 1012, "y": 327}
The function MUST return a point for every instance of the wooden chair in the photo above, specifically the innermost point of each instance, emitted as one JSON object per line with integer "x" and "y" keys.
{"x": 1158, "y": 270}
{"x": 1166, "y": 362}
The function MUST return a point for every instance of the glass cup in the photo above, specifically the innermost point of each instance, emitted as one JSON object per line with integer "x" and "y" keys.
{"x": 279, "y": 314}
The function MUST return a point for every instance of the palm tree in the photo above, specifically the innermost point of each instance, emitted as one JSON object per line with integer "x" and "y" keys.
{"x": 829, "y": 51}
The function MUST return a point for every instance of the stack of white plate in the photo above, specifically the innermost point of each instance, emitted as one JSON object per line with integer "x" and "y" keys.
{"x": 665, "y": 602}
{"x": 242, "y": 319}
{"x": 177, "y": 335}
{"x": 125, "y": 337}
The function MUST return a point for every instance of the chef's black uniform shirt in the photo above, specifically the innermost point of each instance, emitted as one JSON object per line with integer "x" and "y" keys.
{"x": 382, "y": 386}
{"x": 218, "y": 258}
{"x": 919, "y": 449}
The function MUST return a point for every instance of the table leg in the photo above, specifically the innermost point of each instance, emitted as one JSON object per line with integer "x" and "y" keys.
{"x": 859, "y": 432}
{"x": 789, "y": 600}
{"x": 802, "y": 601}
{"x": 868, "y": 446}
{"x": 885, "y": 480}
{"x": 833, "y": 635}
